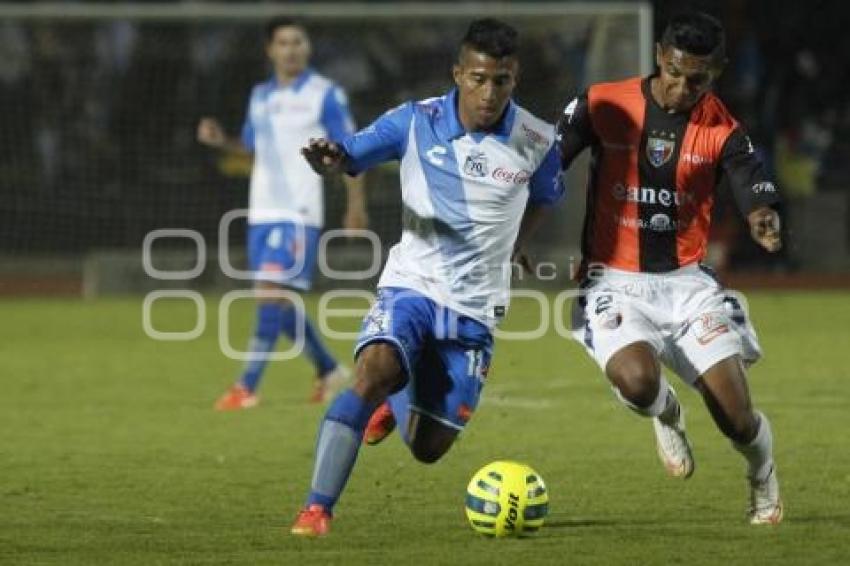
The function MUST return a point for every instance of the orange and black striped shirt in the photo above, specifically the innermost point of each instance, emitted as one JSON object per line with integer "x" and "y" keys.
{"x": 653, "y": 174}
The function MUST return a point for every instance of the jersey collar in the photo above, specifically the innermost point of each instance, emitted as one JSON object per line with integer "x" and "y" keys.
{"x": 295, "y": 85}
{"x": 452, "y": 128}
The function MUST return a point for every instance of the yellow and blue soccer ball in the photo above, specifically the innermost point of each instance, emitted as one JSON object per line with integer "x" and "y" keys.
{"x": 506, "y": 499}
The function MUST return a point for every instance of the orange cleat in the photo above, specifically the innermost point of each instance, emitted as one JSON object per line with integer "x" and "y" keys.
{"x": 312, "y": 521}
{"x": 380, "y": 425}
{"x": 237, "y": 397}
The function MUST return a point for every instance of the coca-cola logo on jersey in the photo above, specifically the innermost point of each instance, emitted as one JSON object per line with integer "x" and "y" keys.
{"x": 504, "y": 175}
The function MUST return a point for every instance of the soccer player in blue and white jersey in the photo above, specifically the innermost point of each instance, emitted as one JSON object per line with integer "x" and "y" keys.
{"x": 474, "y": 167}
{"x": 286, "y": 203}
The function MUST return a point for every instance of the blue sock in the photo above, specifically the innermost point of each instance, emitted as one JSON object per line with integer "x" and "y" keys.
{"x": 262, "y": 343}
{"x": 337, "y": 446}
{"x": 291, "y": 323}
{"x": 400, "y": 405}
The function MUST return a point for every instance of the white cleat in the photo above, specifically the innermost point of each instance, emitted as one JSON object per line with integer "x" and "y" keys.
{"x": 330, "y": 384}
{"x": 765, "y": 504}
{"x": 674, "y": 448}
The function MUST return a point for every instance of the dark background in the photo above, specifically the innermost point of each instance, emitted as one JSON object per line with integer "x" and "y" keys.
{"x": 97, "y": 145}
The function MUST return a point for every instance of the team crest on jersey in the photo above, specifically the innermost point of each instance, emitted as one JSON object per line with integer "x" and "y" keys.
{"x": 659, "y": 147}
{"x": 476, "y": 164}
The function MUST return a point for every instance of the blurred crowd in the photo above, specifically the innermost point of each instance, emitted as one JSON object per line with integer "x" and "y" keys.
{"x": 100, "y": 116}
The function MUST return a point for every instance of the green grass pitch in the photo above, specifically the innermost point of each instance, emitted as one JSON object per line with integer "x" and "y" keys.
{"x": 111, "y": 454}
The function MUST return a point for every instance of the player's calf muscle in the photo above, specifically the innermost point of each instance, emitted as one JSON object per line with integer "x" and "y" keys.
{"x": 724, "y": 389}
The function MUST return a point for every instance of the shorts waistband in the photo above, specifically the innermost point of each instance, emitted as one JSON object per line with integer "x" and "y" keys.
{"x": 686, "y": 270}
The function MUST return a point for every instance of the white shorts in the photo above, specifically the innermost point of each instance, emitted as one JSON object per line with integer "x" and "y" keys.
{"x": 685, "y": 315}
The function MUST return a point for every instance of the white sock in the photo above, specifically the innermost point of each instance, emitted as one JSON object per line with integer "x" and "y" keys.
{"x": 759, "y": 452}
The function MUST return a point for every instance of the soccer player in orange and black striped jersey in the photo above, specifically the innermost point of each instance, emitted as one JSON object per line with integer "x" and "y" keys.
{"x": 660, "y": 146}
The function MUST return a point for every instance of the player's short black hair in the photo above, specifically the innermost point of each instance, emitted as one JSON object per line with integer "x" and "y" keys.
{"x": 696, "y": 33}
{"x": 491, "y": 37}
{"x": 278, "y": 22}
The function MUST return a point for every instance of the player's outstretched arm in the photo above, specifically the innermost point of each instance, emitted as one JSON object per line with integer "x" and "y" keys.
{"x": 211, "y": 133}
{"x": 765, "y": 228}
{"x": 324, "y": 156}
{"x": 356, "y": 217}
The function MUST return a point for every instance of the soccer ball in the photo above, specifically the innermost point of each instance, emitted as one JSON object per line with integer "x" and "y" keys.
{"x": 506, "y": 499}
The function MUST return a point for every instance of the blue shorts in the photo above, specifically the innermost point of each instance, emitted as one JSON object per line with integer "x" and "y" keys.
{"x": 283, "y": 253}
{"x": 446, "y": 355}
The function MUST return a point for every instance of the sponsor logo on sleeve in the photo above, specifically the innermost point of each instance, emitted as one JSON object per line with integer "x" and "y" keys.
{"x": 533, "y": 135}
{"x": 570, "y": 110}
{"x": 434, "y": 154}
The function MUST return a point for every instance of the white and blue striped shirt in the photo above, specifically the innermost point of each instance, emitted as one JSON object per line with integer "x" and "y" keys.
{"x": 279, "y": 122}
{"x": 463, "y": 196}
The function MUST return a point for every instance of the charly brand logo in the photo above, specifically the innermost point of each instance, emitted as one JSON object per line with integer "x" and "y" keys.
{"x": 476, "y": 164}
{"x": 504, "y": 175}
{"x": 434, "y": 153}
{"x": 659, "y": 147}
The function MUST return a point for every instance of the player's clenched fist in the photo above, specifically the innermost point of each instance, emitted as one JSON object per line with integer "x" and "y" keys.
{"x": 211, "y": 133}
{"x": 324, "y": 156}
{"x": 765, "y": 228}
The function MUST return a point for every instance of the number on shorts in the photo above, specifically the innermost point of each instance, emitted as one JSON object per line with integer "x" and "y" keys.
{"x": 473, "y": 367}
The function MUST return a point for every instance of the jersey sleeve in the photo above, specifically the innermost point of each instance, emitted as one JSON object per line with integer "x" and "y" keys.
{"x": 546, "y": 186}
{"x": 742, "y": 168}
{"x": 336, "y": 116}
{"x": 574, "y": 131}
{"x": 247, "y": 134}
{"x": 384, "y": 140}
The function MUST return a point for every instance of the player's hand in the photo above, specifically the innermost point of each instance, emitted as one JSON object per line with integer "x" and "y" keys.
{"x": 765, "y": 228}
{"x": 211, "y": 133}
{"x": 519, "y": 256}
{"x": 355, "y": 219}
{"x": 324, "y": 156}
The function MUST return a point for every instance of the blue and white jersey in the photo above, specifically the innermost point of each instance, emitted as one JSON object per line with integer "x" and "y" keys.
{"x": 279, "y": 122}
{"x": 463, "y": 196}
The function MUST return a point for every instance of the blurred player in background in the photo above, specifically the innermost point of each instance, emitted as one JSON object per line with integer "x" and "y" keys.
{"x": 660, "y": 146}
{"x": 286, "y": 203}
{"x": 472, "y": 164}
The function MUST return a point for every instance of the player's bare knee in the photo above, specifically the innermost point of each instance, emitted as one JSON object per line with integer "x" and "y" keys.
{"x": 636, "y": 381}
{"x": 378, "y": 372}
{"x": 635, "y": 372}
